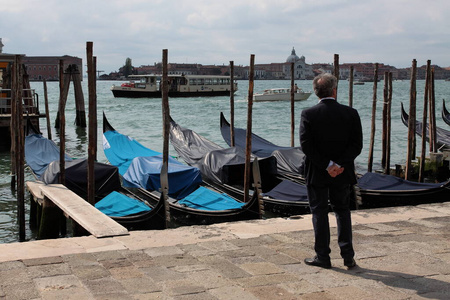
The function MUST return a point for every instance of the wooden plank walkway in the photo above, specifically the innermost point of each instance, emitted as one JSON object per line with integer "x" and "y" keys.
{"x": 78, "y": 209}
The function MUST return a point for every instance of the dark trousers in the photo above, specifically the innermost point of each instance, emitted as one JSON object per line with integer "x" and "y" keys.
{"x": 339, "y": 196}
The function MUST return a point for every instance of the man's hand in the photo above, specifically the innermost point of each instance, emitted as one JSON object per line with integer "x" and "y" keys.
{"x": 335, "y": 170}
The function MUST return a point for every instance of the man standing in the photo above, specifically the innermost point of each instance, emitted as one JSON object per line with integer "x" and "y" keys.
{"x": 331, "y": 138}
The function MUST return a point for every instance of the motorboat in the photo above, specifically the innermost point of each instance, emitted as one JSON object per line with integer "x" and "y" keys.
{"x": 180, "y": 85}
{"x": 281, "y": 94}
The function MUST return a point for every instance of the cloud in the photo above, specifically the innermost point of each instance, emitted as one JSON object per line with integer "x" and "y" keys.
{"x": 214, "y": 32}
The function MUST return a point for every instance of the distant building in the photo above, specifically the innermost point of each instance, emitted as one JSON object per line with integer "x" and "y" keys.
{"x": 47, "y": 67}
{"x": 301, "y": 69}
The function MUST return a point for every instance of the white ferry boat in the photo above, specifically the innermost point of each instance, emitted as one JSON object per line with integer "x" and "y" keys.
{"x": 281, "y": 94}
{"x": 179, "y": 86}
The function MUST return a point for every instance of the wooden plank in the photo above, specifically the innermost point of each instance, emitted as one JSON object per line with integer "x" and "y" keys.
{"x": 85, "y": 214}
{"x": 34, "y": 187}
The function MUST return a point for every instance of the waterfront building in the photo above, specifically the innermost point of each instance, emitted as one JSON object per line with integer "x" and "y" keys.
{"x": 47, "y": 67}
{"x": 301, "y": 69}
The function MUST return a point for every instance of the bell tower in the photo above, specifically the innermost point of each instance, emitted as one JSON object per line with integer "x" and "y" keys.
{"x": 1, "y": 46}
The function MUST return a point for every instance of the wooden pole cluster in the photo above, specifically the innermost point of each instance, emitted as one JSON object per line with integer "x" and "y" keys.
{"x": 18, "y": 143}
{"x": 424, "y": 121}
{"x": 166, "y": 128}
{"x": 374, "y": 109}
{"x": 386, "y": 134}
{"x": 336, "y": 70}
{"x": 92, "y": 144}
{"x": 411, "y": 150}
{"x": 248, "y": 148}
{"x": 292, "y": 106}
{"x": 232, "y": 104}
{"x": 72, "y": 73}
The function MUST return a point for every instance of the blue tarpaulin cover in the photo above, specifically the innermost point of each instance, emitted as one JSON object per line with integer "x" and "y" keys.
{"x": 121, "y": 149}
{"x": 119, "y": 205}
{"x": 376, "y": 181}
{"x": 205, "y": 199}
{"x": 144, "y": 172}
{"x": 40, "y": 152}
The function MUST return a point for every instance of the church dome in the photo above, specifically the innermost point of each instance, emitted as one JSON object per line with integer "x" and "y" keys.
{"x": 293, "y": 57}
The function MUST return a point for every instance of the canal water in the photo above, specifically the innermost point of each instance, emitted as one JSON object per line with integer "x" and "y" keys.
{"x": 141, "y": 119}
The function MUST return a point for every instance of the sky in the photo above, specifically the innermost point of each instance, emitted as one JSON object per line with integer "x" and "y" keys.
{"x": 215, "y": 32}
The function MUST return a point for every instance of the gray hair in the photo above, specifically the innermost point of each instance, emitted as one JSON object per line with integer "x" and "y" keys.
{"x": 324, "y": 84}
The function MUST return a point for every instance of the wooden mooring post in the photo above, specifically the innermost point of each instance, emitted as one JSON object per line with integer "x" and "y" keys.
{"x": 336, "y": 71}
{"x": 411, "y": 149}
{"x": 248, "y": 146}
{"x": 350, "y": 87}
{"x": 166, "y": 128}
{"x": 232, "y": 143}
{"x": 47, "y": 114}
{"x": 92, "y": 143}
{"x": 374, "y": 109}
{"x": 292, "y": 105}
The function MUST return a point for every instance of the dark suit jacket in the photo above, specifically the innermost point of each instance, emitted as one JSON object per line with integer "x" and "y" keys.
{"x": 330, "y": 131}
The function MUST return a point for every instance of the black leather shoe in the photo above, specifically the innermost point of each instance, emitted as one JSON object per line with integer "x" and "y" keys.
{"x": 350, "y": 263}
{"x": 315, "y": 261}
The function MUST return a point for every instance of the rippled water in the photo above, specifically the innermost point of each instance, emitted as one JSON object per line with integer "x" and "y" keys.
{"x": 141, "y": 119}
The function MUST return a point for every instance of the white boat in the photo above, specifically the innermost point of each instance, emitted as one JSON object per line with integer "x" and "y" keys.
{"x": 179, "y": 86}
{"x": 281, "y": 94}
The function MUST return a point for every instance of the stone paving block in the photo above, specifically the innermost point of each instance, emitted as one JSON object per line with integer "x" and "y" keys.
{"x": 82, "y": 259}
{"x": 11, "y": 265}
{"x": 141, "y": 285}
{"x": 232, "y": 292}
{"x": 246, "y": 259}
{"x": 61, "y": 282}
{"x": 300, "y": 287}
{"x": 261, "y": 240}
{"x": 36, "y": 271}
{"x": 322, "y": 278}
{"x": 383, "y": 227}
{"x": 272, "y": 293}
{"x": 90, "y": 272}
{"x": 244, "y": 252}
{"x": 318, "y": 296}
{"x": 161, "y": 273}
{"x": 114, "y": 296}
{"x": 20, "y": 291}
{"x": 43, "y": 261}
{"x": 261, "y": 268}
{"x": 271, "y": 279}
{"x": 160, "y": 251}
{"x": 107, "y": 255}
{"x": 196, "y": 296}
{"x": 210, "y": 279}
{"x": 440, "y": 283}
{"x": 219, "y": 246}
{"x": 119, "y": 262}
{"x": 176, "y": 260}
{"x": 14, "y": 276}
{"x": 297, "y": 269}
{"x": 349, "y": 292}
{"x": 182, "y": 287}
{"x": 74, "y": 293}
{"x": 149, "y": 296}
{"x": 229, "y": 270}
{"x": 191, "y": 268}
{"x": 135, "y": 255}
{"x": 105, "y": 285}
{"x": 126, "y": 272}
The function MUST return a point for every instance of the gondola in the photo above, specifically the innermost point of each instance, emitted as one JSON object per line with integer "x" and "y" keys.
{"x": 135, "y": 209}
{"x": 379, "y": 190}
{"x": 289, "y": 159}
{"x": 442, "y": 135}
{"x": 224, "y": 167}
{"x": 445, "y": 113}
{"x": 191, "y": 200}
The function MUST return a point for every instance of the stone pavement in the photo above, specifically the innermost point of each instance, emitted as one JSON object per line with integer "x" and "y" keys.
{"x": 402, "y": 253}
